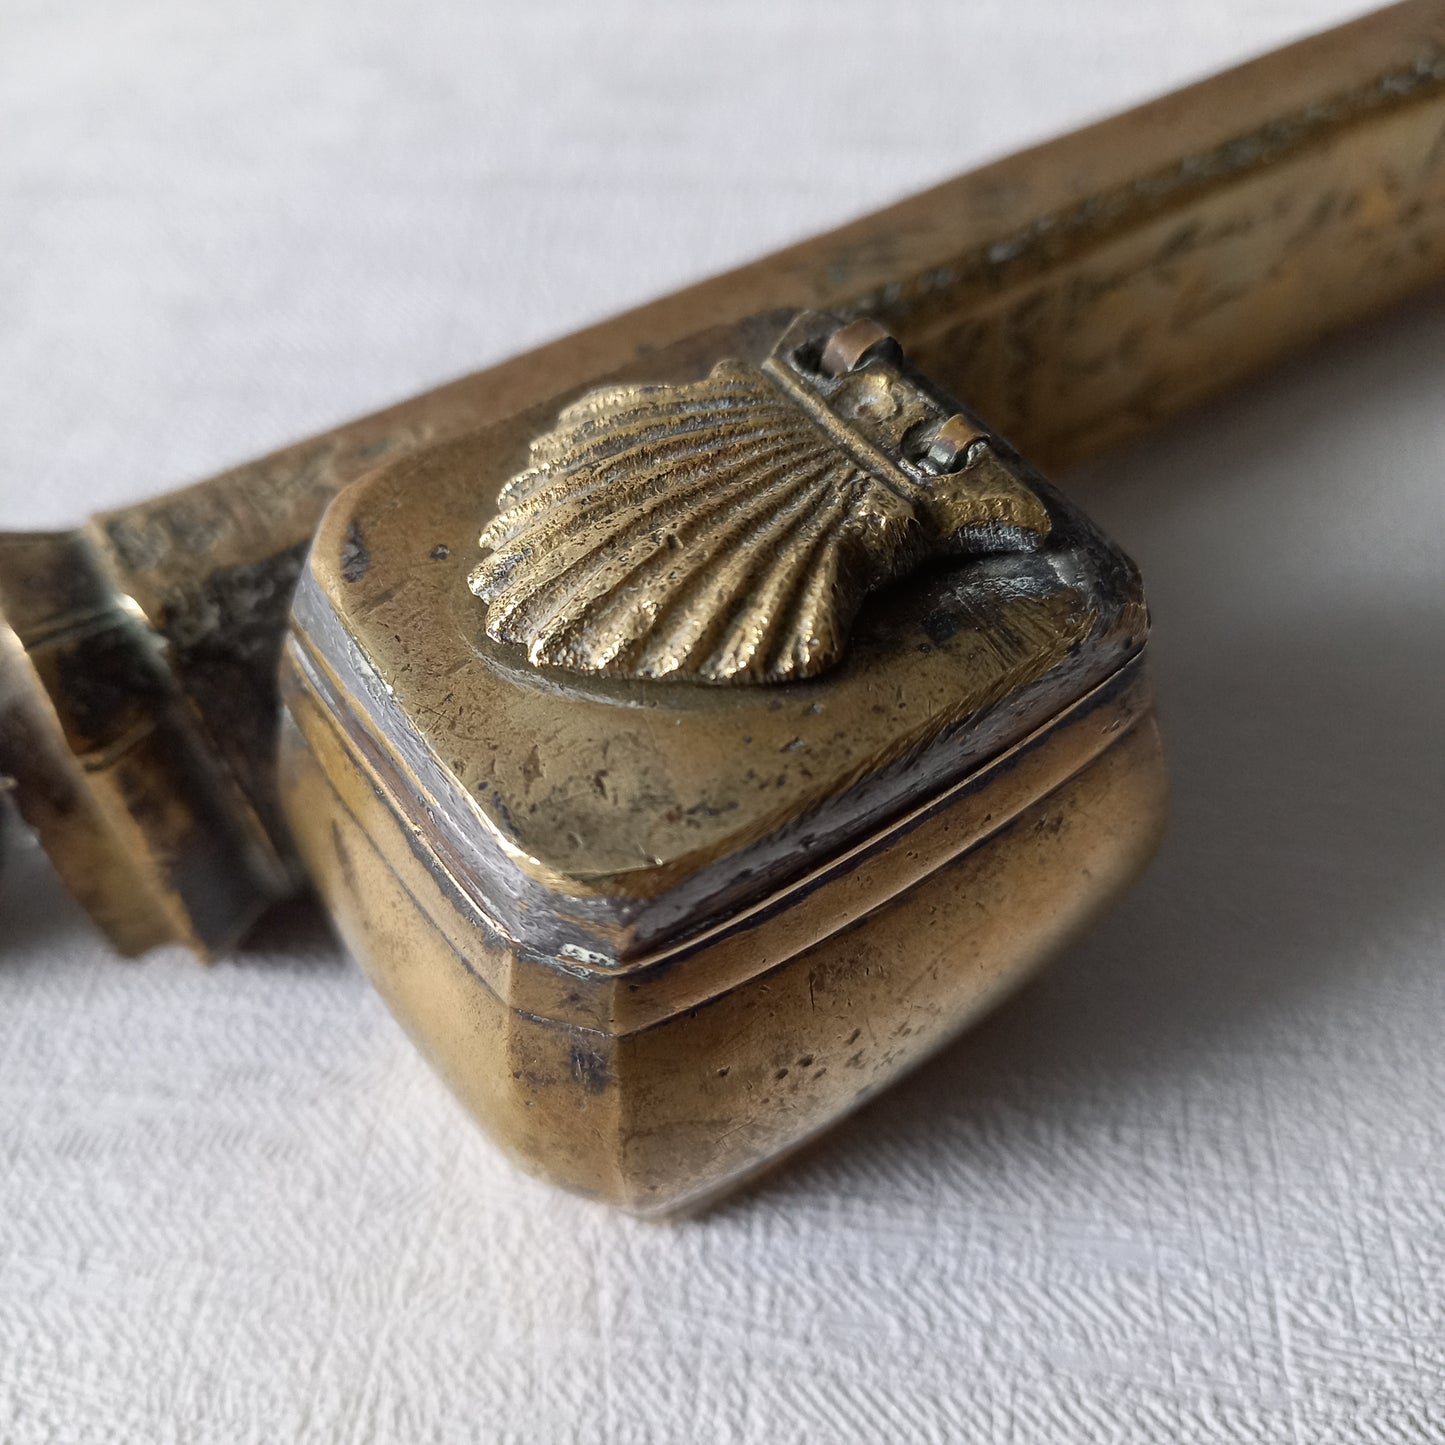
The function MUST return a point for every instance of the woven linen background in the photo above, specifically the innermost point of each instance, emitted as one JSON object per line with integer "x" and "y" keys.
{"x": 1186, "y": 1187}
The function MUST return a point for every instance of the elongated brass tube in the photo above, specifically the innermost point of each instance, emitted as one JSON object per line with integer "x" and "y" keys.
{"x": 1077, "y": 293}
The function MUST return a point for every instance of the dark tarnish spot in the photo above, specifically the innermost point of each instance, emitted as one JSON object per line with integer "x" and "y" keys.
{"x": 343, "y": 857}
{"x": 225, "y": 633}
{"x": 942, "y": 623}
{"x": 707, "y": 810}
{"x": 504, "y": 812}
{"x": 106, "y": 683}
{"x": 590, "y": 1070}
{"x": 440, "y": 552}
{"x": 355, "y": 559}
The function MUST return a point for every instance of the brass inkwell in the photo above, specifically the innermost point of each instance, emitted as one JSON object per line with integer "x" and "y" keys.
{"x": 663, "y": 856}
{"x": 695, "y": 722}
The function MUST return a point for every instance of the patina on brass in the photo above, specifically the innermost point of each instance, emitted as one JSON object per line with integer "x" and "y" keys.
{"x": 1076, "y": 294}
{"x": 727, "y": 530}
{"x": 656, "y": 934}
{"x": 154, "y": 828}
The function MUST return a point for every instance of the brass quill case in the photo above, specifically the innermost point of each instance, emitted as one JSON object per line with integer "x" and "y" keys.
{"x": 782, "y": 716}
{"x": 660, "y": 914}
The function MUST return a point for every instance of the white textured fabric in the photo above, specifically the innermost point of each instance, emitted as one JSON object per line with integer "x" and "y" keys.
{"x": 1187, "y": 1187}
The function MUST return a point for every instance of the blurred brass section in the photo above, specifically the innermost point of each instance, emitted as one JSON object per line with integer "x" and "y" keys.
{"x": 148, "y": 829}
{"x": 1075, "y": 294}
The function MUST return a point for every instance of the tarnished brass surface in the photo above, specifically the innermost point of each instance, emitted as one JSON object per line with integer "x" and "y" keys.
{"x": 538, "y": 758}
{"x": 1075, "y": 294}
{"x": 146, "y": 824}
{"x": 596, "y": 866}
{"x": 728, "y": 529}
{"x": 661, "y": 1106}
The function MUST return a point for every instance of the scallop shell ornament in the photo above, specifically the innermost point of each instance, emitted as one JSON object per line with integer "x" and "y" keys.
{"x": 715, "y": 531}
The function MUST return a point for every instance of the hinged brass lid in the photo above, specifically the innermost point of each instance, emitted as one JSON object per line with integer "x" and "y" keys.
{"x": 597, "y": 819}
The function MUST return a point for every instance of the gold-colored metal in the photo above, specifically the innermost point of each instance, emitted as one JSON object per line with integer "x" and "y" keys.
{"x": 854, "y": 345}
{"x": 149, "y": 826}
{"x": 662, "y": 1097}
{"x": 727, "y": 530}
{"x": 642, "y": 927}
{"x": 954, "y": 444}
{"x": 1076, "y": 294}
{"x": 656, "y": 935}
